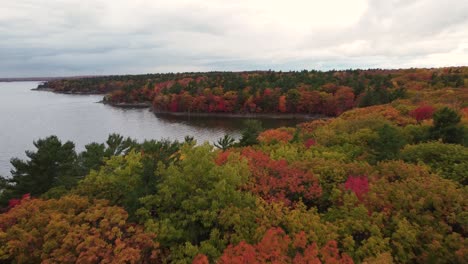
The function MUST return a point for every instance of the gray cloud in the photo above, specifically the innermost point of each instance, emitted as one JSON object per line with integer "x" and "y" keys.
{"x": 75, "y": 37}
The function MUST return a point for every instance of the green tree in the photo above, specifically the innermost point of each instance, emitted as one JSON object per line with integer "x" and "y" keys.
{"x": 91, "y": 158}
{"x": 94, "y": 155}
{"x": 423, "y": 215}
{"x": 417, "y": 133}
{"x": 53, "y": 164}
{"x": 189, "y": 139}
{"x": 450, "y": 161}
{"x": 293, "y": 96}
{"x": 252, "y": 129}
{"x": 119, "y": 181}
{"x": 191, "y": 196}
{"x": 154, "y": 155}
{"x": 118, "y": 145}
{"x": 225, "y": 142}
{"x": 388, "y": 143}
{"x": 446, "y": 126}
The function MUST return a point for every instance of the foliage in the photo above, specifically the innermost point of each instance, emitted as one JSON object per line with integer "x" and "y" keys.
{"x": 277, "y": 247}
{"x": 225, "y": 142}
{"x": 191, "y": 195}
{"x": 448, "y": 160}
{"x": 119, "y": 181}
{"x": 93, "y": 156}
{"x": 388, "y": 143}
{"x": 446, "y": 126}
{"x": 250, "y": 132}
{"x": 358, "y": 184}
{"x": 274, "y": 136}
{"x": 276, "y": 180}
{"x": 331, "y": 190}
{"x": 309, "y": 143}
{"x": 416, "y": 133}
{"x": 51, "y": 165}
{"x": 305, "y": 92}
{"x": 423, "y": 112}
{"x": 386, "y": 112}
{"x": 72, "y": 230}
{"x": 423, "y": 215}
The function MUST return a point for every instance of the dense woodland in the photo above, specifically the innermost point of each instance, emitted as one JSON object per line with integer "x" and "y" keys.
{"x": 385, "y": 182}
{"x": 306, "y": 92}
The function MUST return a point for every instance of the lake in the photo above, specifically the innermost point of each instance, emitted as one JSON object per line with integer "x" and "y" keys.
{"x": 27, "y": 115}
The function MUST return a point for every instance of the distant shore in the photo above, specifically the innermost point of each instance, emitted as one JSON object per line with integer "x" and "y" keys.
{"x": 243, "y": 115}
{"x": 195, "y": 114}
{"x": 128, "y": 105}
{"x": 66, "y": 92}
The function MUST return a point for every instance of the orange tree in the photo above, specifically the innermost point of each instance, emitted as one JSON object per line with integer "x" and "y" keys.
{"x": 72, "y": 229}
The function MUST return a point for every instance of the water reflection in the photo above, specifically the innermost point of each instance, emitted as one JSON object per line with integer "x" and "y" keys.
{"x": 233, "y": 124}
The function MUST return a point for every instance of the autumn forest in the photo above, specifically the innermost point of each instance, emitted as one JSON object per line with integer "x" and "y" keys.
{"x": 377, "y": 173}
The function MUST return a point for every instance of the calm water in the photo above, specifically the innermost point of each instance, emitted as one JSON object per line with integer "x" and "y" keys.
{"x": 27, "y": 115}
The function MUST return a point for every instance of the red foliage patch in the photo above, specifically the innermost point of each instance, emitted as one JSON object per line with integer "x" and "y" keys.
{"x": 276, "y": 180}
{"x": 14, "y": 202}
{"x": 282, "y": 104}
{"x": 309, "y": 143}
{"x": 222, "y": 157}
{"x": 358, "y": 184}
{"x": 423, "y": 112}
{"x": 200, "y": 259}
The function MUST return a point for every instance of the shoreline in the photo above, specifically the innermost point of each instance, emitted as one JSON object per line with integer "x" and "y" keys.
{"x": 127, "y": 105}
{"x": 143, "y": 105}
{"x": 66, "y": 92}
{"x": 245, "y": 115}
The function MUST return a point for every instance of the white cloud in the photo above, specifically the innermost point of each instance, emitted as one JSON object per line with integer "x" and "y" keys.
{"x": 67, "y": 37}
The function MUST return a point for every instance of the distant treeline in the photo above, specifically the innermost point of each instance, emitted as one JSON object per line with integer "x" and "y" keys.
{"x": 306, "y": 92}
{"x": 40, "y": 79}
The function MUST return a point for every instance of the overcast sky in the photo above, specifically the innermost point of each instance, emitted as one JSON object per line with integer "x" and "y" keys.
{"x": 77, "y": 37}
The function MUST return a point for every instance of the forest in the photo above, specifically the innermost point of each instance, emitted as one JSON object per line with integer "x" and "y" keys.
{"x": 306, "y": 92}
{"x": 381, "y": 178}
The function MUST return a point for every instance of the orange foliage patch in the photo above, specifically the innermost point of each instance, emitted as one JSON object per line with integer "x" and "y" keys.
{"x": 278, "y": 247}
{"x": 73, "y": 229}
{"x": 275, "y": 135}
{"x": 222, "y": 157}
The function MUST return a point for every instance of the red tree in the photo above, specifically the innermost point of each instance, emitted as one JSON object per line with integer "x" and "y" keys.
{"x": 358, "y": 184}
{"x": 276, "y": 180}
{"x": 282, "y": 104}
{"x": 423, "y": 112}
{"x": 309, "y": 143}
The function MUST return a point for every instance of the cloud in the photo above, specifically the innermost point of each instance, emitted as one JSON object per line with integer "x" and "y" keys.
{"x": 75, "y": 37}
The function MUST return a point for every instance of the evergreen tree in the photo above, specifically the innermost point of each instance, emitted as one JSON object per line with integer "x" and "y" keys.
{"x": 446, "y": 126}
{"x": 252, "y": 129}
{"x": 225, "y": 142}
{"x": 52, "y": 165}
{"x": 388, "y": 143}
